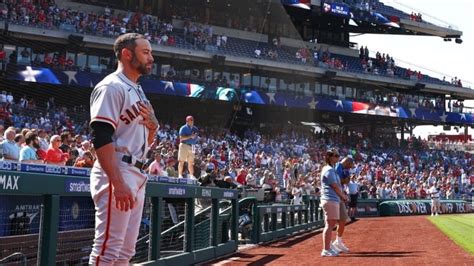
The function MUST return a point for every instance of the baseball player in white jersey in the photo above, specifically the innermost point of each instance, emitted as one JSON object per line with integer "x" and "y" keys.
{"x": 123, "y": 124}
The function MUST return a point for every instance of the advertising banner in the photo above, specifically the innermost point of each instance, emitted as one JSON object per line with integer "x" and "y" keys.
{"x": 336, "y": 9}
{"x": 415, "y": 207}
{"x": 20, "y": 215}
{"x": 251, "y": 96}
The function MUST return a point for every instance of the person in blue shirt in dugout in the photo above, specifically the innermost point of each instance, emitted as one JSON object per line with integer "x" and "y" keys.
{"x": 188, "y": 135}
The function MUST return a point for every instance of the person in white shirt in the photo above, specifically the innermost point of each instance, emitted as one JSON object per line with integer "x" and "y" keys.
{"x": 85, "y": 146}
{"x": 353, "y": 188}
{"x": 297, "y": 193}
{"x": 43, "y": 141}
{"x": 250, "y": 179}
{"x": 3, "y": 97}
{"x": 224, "y": 40}
{"x": 435, "y": 203}
{"x": 156, "y": 168}
{"x": 10, "y": 98}
{"x": 258, "y": 52}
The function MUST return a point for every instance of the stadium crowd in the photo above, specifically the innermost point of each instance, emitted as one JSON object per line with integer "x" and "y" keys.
{"x": 46, "y": 14}
{"x": 286, "y": 163}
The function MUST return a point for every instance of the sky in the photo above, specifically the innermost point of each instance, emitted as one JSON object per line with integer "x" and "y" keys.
{"x": 432, "y": 53}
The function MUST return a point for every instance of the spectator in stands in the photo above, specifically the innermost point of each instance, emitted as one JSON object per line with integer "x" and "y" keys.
{"x": 55, "y": 155}
{"x": 87, "y": 160}
{"x": 250, "y": 179}
{"x": 224, "y": 40}
{"x": 11, "y": 151}
{"x": 28, "y": 153}
{"x": 66, "y": 140}
{"x": 43, "y": 141}
{"x": 258, "y": 53}
{"x": 20, "y": 140}
{"x": 155, "y": 167}
{"x": 241, "y": 177}
{"x": 297, "y": 193}
{"x": 10, "y": 98}
{"x": 84, "y": 147}
{"x": 170, "y": 169}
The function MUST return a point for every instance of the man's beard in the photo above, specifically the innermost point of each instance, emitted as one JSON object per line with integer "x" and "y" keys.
{"x": 36, "y": 145}
{"x": 142, "y": 69}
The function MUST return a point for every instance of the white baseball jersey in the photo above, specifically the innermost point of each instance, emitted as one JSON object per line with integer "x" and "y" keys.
{"x": 115, "y": 101}
{"x": 434, "y": 192}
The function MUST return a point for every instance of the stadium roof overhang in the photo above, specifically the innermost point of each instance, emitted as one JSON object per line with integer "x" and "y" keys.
{"x": 403, "y": 26}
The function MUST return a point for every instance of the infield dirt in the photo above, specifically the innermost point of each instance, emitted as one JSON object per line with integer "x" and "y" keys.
{"x": 383, "y": 241}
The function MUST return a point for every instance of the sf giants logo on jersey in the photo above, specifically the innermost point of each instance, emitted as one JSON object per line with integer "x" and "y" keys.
{"x": 130, "y": 113}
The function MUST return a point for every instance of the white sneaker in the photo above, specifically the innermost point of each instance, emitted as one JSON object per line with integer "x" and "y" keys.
{"x": 432, "y": 214}
{"x": 335, "y": 249}
{"x": 340, "y": 246}
{"x": 328, "y": 253}
{"x": 437, "y": 214}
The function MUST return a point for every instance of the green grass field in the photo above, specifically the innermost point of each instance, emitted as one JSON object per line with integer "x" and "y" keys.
{"x": 459, "y": 228}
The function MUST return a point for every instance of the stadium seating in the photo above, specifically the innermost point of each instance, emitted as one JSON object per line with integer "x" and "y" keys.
{"x": 246, "y": 48}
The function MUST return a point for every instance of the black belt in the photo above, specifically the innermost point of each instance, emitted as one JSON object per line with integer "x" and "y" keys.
{"x": 138, "y": 164}
{"x": 186, "y": 144}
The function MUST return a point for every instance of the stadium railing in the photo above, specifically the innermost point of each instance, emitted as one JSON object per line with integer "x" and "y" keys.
{"x": 64, "y": 231}
{"x": 270, "y": 222}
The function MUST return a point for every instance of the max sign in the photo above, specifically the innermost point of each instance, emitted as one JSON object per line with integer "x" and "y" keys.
{"x": 9, "y": 182}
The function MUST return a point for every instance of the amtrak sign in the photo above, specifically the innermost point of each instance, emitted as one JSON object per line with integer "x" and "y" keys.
{"x": 9, "y": 182}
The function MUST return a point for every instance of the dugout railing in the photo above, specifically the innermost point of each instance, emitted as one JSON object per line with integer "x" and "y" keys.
{"x": 40, "y": 246}
{"x": 271, "y": 222}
